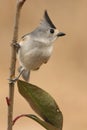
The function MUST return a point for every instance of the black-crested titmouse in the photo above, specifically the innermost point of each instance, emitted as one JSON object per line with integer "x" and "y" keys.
{"x": 36, "y": 47}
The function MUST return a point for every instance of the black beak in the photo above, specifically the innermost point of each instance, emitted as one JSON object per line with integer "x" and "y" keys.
{"x": 60, "y": 34}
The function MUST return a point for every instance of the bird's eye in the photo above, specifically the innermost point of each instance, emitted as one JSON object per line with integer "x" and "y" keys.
{"x": 51, "y": 30}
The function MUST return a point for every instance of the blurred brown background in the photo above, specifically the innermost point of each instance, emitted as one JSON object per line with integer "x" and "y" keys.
{"x": 65, "y": 75}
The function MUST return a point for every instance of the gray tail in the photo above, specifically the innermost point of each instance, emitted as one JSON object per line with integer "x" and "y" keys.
{"x": 25, "y": 73}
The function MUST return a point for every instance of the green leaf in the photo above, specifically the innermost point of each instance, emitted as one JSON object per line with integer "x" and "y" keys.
{"x": 42, "y": 103}
{"x": 46, "y": 125}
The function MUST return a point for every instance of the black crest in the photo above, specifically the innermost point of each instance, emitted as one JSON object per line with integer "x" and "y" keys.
{"x": 48, "y": 19}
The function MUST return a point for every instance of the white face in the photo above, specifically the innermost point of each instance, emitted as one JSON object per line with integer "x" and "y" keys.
{"x": 48, "y": 35}
{"x": 52, "y": 34}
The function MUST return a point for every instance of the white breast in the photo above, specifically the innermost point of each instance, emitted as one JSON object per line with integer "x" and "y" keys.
{"x": 33, "y": 54}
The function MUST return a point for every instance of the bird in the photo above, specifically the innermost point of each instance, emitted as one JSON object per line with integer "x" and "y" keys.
{"x": 35, "y": 48}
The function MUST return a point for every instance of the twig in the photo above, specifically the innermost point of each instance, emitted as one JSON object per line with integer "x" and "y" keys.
{"x": 13, "y": 63}
{"x": 8, "y": 101}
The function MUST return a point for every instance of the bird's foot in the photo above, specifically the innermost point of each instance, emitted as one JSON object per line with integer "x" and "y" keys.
{"x": 11, "y": 81}
{"x": 16, "y": 45}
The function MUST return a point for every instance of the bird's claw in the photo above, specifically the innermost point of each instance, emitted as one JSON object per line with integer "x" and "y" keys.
{"x": 13, "y": 80}
{"x": 16, "y": 45}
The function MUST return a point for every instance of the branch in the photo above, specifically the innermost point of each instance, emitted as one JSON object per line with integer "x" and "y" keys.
{"x": 13, "y": 63}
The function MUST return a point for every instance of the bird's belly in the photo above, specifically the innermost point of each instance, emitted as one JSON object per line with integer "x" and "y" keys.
{"x": 33, "y": 59}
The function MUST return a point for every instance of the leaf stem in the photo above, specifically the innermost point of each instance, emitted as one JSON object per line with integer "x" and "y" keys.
{"x": 18, "y": 118}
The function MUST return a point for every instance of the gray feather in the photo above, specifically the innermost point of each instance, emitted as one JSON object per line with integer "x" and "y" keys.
{"x": 25, "y": 73}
